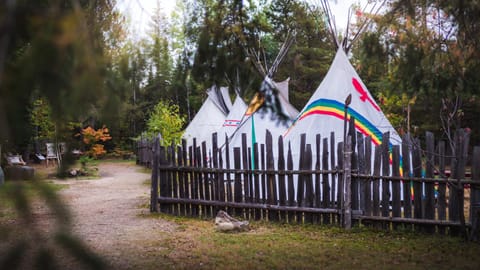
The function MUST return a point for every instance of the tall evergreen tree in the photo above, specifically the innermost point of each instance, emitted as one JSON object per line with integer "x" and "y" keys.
{"x": 310, "y": 56}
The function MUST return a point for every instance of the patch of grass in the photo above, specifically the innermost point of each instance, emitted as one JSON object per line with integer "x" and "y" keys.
{"x": 147, "y": 182}
{"x": 143, "y": 169}
{"x": 29, "y": 189}
{"x": 17, "y": 198}
{"x": 285, "y": 246}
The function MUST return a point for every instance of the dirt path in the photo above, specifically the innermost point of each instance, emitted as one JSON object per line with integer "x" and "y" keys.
{"x": 109, "y": 215}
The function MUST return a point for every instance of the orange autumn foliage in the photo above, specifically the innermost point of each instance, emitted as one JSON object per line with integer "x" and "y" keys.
{"x": 92, "y": 139}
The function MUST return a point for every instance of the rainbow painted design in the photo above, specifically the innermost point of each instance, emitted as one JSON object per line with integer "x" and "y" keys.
{"x": 336, "y": 109}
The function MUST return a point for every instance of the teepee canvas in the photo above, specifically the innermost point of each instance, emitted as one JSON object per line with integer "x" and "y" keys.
{"x": 210, "y": 117}
{"x": 324, "y": 112}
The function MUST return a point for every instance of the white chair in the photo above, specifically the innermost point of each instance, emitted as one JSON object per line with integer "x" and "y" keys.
{"x": 52, "y": 153}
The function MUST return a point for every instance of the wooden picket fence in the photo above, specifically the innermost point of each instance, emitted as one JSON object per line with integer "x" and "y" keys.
{"x": 330, "y": 185}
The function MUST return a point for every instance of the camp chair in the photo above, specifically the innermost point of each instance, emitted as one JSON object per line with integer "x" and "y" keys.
{"x": 16, "y": 168}
{"x": 14, "y": 160}
{"x": 52, "y": 153}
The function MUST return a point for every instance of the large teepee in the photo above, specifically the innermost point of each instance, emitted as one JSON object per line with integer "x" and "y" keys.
{"x": 324, "y": 112}
{"x": 210, "y": 117}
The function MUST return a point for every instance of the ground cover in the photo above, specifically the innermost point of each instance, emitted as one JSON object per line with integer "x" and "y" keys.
{"x": 111, "y": 216}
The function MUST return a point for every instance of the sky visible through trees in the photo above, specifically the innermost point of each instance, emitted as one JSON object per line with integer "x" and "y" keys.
{"x": 91, "y": 66}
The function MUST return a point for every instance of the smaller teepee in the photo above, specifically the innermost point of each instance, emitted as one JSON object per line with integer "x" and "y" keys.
{"x": 210, "y": 117}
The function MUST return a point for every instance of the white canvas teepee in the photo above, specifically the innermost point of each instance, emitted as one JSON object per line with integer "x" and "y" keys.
{"x": 210, "y": 117}
{"x": 324, "y": 112}
{"x": 255, "y": 122}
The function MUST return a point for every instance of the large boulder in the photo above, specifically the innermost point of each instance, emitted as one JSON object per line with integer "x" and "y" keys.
{"x": 19, "y": 173}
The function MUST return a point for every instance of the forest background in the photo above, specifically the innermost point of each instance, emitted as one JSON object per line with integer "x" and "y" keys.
{"x": 66, "y": 64}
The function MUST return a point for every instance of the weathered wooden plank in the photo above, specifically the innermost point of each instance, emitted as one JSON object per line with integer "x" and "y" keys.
{"x": 376, "y": 182}
{"x": 175, "y": 175}
{"x": 282, "y": 192}
{"x": 194, "y": 184}
{"x": 271, "y": 182}
{"x": 215, "y": 177}
{"x": 340, "y": 186}
{"x": 385, "y": 201}
{"x": 361, "y": 169}
{"x": 247, "y": 173}
{"x": 333, "y": 187}
{"x": 199, "y": 180}
{"x": 407, "y": 194}
{"x": 220, "y": 179}
{"x": 250, "y": 205}
{"x": 229, "y": 185}
{"x": 171, "y": 176}
{"x": 207, "y": 178}
{"x": 186, "y": 181}
{"x": 154, "y": 181}
{"x": 353, "y": 133}
{"x": 368, "y": 171}
{"x": 318, "y": 181}
{"x": 465, "y": 148}
{"x": 237, "y": 185}
{"x": 347, "y": 218}
{"x": 203, "y": 188}
{"x": 417, "y": 186}
{"x": 442, "y": 187}
{"x": 456, "y": 194}
{"x": 192, "y": 180}
{"x": 309, "y": 191}
{"x": 258, "y": 212}
{"x": 162, "y": 161}
{"x": 250, "y": 213}
{"x": 301, "y": 178}
{"x": 263, "y": 175}
{"x": 327, "y": 202}
{"x": 429, "y": 186}
{"x": 246, "y": 167}
{"x": 250, "y": 178}
{"x": 181, "y": 179}
{"x": 396, "y": 197}
{"x": 291, "y": 187}
{"x": 475, "y": 196}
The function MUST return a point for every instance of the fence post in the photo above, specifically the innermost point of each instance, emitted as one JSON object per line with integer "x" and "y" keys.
{"x": 347, "y": 180}
{"x": 154, "y": 182}
{"x": 475, "y": 196}
{"x": 429, "y": 187}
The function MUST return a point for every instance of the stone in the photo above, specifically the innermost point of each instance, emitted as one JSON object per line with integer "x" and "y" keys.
{"x": 225, "y": 223}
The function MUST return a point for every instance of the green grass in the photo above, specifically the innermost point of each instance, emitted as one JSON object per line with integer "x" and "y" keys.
{"x": 16, "y": 195}
{"x": 144, "y": 170}
{"x": 284, "y": 246}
